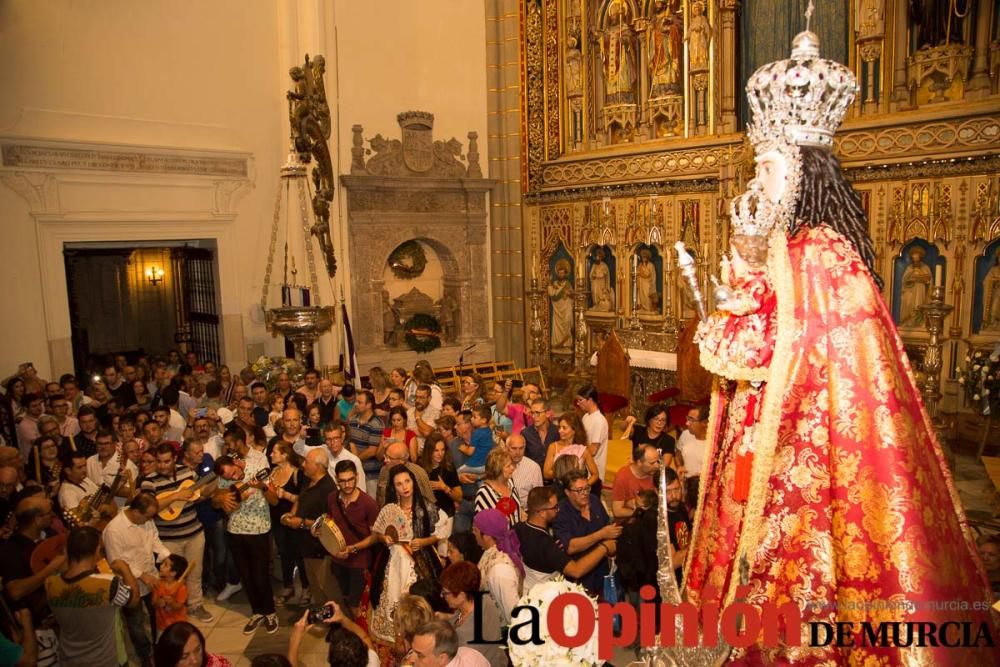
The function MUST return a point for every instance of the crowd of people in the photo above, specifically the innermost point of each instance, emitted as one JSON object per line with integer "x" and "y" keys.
{"x": 411, "y": 515}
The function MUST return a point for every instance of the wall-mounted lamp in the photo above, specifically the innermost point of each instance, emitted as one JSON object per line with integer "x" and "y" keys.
{"x": 154, "y": 274}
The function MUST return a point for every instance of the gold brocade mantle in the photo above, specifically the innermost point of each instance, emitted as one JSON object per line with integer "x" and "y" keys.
{"x": 852, "y": 513}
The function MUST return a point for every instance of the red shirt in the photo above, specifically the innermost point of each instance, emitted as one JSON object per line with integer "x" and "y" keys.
{"x": 627, "y": 486}
{"x": 410, "y": 435}
{"x": 355, "y": 526}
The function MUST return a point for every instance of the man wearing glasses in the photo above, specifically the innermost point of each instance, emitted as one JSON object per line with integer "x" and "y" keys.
{"x": 335, "y": 435}
{"x": 354, "y": 512}
{"x": 540, "y": 434}
{"x": 692, "y": 446}
{"x": 59, "y": 408}
{"x": 518, "y": 413}
{"x": 583, "y": 525}
{"x": 544, "y": 557}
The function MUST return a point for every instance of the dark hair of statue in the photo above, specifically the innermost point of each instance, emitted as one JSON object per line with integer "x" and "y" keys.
{"x": 827, "y": 198}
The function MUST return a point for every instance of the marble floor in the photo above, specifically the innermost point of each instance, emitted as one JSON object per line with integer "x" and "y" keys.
{"x": 225, "y": 636}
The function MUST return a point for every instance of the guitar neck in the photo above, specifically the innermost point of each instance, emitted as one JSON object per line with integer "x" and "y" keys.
{"x": 203, "y": 481}
{"x": 260, "y": 476}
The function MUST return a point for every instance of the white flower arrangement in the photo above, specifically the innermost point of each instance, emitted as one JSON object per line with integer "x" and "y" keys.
{"x": 549, "y": 653}
{"x": 980, "y": 378}
{"x": 267, "y": 369}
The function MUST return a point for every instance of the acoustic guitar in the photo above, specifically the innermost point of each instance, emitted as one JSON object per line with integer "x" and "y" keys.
{"x": 239, "y": 489}
{"x": 99, "y": 508}
{"x": 173, "y": 510}
{"x": 46, "y": 551}
{"x": 49, "y": 549}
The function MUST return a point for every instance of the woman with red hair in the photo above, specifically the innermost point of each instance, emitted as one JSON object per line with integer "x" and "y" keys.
{"x": 460, "y": 584}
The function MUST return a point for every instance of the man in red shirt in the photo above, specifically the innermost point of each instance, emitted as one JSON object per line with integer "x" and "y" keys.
{"x": 632, "y": 479}
{"x": 354, "y": 512}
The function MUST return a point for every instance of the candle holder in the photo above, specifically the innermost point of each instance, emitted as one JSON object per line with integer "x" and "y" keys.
{"x": 536, "y": 329}
{"x": 580, "y": 333}
{"x": 935, "y": 310}
{"x": 669, "y": 321}
{"x": 633, "y": 323}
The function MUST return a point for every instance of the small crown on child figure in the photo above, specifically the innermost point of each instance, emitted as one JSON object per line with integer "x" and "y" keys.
{"x": 747, "y": 212}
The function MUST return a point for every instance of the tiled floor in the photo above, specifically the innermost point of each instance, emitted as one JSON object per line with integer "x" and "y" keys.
{"x": 225, "y": 635}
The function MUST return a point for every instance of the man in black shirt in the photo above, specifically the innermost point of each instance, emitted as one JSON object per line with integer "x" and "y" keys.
{"x": 118, "y": 387}
{"x": 312, "y": 504}
{"x": 23, "y": 588}
{"x": 540, "y": 434}
{"x": 86, "y": 440}
{"x": 261, "y": 400}
{"x": 543, "y": 556}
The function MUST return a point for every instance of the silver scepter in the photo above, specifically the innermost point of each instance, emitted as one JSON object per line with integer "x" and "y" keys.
{"x": 688, "y": 269}
{"x": 677, "y": 655}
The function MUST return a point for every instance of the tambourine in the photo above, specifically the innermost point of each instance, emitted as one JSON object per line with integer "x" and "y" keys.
{"x": 330, "y": 536}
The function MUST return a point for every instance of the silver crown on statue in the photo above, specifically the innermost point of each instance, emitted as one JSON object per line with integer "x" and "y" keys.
{"x": 801, "y": 100}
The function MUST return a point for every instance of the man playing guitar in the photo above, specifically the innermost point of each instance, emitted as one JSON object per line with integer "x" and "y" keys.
{"x": 183, "y": 534}
{"x": 245, "y": 495}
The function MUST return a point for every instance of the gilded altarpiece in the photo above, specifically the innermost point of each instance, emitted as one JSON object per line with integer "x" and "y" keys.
{"x": 632, "y": 140}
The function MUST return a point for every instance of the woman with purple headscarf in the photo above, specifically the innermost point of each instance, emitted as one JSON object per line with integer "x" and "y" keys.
{"x": 501, "y": 567}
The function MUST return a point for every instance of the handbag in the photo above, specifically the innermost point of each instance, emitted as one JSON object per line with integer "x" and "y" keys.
{"x": 612, "y": 593}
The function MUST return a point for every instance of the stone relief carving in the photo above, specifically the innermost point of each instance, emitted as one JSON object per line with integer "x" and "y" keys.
{"x": 19, "y": 155}
{"x": 39, "y": 190}
{"x": 416, "y": 154}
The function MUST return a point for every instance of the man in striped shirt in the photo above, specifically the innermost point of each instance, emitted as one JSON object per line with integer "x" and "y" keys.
{"x": 366, "y": 436}
{"x": 184, "y": 536}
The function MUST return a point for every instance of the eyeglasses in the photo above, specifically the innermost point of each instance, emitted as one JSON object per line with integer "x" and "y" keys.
{"x": 349, "y": 480}
{"x": 538, "y": 413}
{"x": 581, "y": 490}
{"x": 546, "y": 509}
{"x": 693, "y": 419}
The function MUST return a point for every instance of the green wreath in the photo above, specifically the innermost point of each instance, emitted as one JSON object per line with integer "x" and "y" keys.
{"x": 423, "y": 333}
{"x": 408, "y": 260}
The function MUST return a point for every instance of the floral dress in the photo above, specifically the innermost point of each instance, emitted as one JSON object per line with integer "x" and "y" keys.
{"x": 402, "y": 567}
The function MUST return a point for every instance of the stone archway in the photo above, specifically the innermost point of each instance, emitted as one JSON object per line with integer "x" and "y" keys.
{"x": 417, "y": 189}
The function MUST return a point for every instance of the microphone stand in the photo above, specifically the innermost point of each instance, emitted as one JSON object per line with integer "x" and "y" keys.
{"x": 461, "y": 358}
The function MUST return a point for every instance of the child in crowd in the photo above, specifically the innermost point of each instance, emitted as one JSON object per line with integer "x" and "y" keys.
{"x": 277, "y": 409}
{"x": 482, "y": 442}
{"x": 348, "y": 396}
{"x": 170, "y": 594}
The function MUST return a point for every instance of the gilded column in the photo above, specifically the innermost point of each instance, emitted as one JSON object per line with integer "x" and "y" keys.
{"x": 979, "y": 84}
{"x": 900, "y": 91}
{"x": 727, "y": 63}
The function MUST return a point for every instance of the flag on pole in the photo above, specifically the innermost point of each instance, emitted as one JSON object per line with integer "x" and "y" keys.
{"x": 350, "y": 358}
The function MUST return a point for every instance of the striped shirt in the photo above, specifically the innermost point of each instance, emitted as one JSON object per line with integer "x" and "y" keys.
{"x": 488, "y": 498}
{"x": 363, "y": 436}
{"x": 186, "y": 525}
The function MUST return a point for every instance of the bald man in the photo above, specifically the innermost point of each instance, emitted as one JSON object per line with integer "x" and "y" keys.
{"x": 24, "y": 588}
{"x": 312, "y": 504}
{"x": 399, "y": 454}
{"x": 8, "y": 454}
{"x": 9, "y": 482}
{"x": 527, "y": 474}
